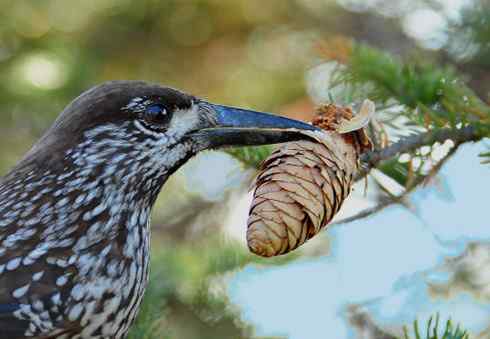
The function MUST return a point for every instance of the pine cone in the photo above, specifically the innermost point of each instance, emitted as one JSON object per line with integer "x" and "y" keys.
{"x": 303, "y": 184}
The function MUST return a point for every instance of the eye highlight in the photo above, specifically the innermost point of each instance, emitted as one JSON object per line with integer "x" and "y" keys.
{"x": 156, "y": 114}
{"x": 155, "y": 110}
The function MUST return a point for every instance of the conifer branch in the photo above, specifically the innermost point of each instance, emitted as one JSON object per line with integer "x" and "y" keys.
{"x": 400, "y": 199}
{"x": 413, "y": 142}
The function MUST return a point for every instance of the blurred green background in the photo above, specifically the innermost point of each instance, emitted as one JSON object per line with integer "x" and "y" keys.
{"x": 241, "y": 52}
{"x": 251, "y": 53}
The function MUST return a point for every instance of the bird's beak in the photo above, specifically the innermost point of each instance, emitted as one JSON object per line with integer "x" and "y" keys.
{"x": 240, "y": 127}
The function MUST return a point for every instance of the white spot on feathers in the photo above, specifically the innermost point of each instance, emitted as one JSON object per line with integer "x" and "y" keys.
{"x": 18, "y": 293}
{"x": 13, "y": 264}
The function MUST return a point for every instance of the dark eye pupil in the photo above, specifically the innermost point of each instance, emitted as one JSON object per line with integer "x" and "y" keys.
{"x": 156, "y": 114}
{"x": 156, "y": 110}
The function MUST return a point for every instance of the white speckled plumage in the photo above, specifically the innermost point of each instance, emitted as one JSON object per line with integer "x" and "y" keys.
{"x": 78, "y": 237}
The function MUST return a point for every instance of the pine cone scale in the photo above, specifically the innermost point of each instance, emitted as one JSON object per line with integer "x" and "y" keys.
{"x": 276, "y": 197}
{"x": 291, "y": 210}
{"x": 301, "y": 187}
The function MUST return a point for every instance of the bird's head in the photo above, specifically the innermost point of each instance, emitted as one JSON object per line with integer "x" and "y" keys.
{"x": 138, "y": 128}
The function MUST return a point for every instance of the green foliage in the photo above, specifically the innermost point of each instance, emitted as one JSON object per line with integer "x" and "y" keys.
{"x": 251, "y": 156}
{"x": 485, "y": 157}
{"x": 51, "y": 51}
{"x": 182, "y": 301}
{"x": 396, "y": 170}
{"x": 433, "y": 330}
{"x": 411, "y": 84}
{"x": 433, "y": 97}
{"x": 471, "y": 33}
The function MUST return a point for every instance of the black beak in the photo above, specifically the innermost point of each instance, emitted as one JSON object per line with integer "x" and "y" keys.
{"x": 240, "y": 127}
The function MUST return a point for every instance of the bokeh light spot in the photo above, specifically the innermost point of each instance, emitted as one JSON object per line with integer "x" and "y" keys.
{"x": 43, "y": 71}
{"x": 427, "y": 27}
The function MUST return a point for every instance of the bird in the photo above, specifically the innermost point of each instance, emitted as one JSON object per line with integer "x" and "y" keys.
{"x": 75, "y": 210}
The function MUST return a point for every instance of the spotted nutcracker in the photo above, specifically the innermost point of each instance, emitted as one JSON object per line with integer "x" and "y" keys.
{"x": 74, "y": 212}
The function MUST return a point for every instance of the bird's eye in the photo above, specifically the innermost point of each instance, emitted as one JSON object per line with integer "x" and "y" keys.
{"x": 157, "y": 114}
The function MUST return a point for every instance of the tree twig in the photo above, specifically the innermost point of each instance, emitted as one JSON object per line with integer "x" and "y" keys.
{"x": 458, "y": 136}
{"x": 401, "y": 198}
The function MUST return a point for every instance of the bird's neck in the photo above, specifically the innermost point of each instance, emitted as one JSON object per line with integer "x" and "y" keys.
{"x": 116, "y": 193}
{"x": 102, "y": 205}
{"x": 102, "y": 188}
{"x": 91, "y": 201}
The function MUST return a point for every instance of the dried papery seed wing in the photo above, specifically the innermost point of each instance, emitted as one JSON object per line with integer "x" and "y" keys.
{"x": 361, "y": 120}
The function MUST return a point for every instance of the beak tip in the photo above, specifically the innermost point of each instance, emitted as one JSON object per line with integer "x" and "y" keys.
{"x": 242, "y": 118}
